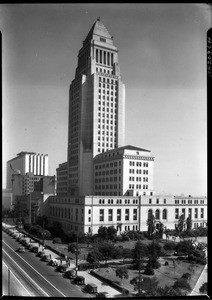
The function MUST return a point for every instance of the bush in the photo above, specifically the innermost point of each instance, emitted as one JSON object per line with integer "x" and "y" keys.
{"x": 169, "y": 245}
{"x": 149, "y": 271}
{"x": 186, "y": 276}
{"x": 182, "y": 284}
{"x": 204, "y": 288}
{"x": 153, "y": 263}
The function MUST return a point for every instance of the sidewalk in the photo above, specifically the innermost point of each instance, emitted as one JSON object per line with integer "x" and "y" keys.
{"x": 202, "y": 279}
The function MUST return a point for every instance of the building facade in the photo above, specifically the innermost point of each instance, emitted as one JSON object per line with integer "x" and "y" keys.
{"x": 126, "y": 170}
{"x": 26, "y": 162}
{"x": 96, "y": 108}
{"x": 87, "y": 214}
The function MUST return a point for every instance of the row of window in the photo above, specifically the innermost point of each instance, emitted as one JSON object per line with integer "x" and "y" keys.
{"x": 118, "y": 215}
{"x": 107, "y": 179}
{"x": 138, "y": 186}
{"x": 183, "y": 212}
{"x": 118, "y": 201}
{"x": 183, "y": 201}
{"x": 138, "y": 164}
{"x": 157, "y": 214}
{"x": 103, "y": 79}
{"x": 157, "y": 201}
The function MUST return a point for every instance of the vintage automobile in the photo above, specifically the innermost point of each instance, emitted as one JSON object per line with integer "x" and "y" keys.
{"x": 21, "y": 249}
{"x": 40, "y": 253}
{"x": 70, "y": 274}
{"x": 35, "y": 249}
{"x": 61, "y": 268}
{"x": 46, "y": 257}
{"x": 91, "y": 288}
{"x": 79, "y": 280}
{"x": 102, "y": 295}
{"x": 54, "y": 262}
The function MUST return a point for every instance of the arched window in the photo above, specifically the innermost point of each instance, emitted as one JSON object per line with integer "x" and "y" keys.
{"x": 69, "y": 213}
{"x": 164, "y": 214}
{"x": 157, "y": 214}
{"x": 149, "y": 213}
{"x": 58, "y": 212}
{"x": 65, "y": 212}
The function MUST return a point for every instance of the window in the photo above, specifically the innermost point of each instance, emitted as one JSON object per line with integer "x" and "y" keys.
{"x": 118, "y": 214}
{"x": 101, "y": 215}
{"x": 127, "y": 214}
{"x": 202, "y": 213}
{"x": 183, "y": 212}
{"x": 149, "y": 213}
{"x": 150, "y": 201}
{"x": 196, "y": 213}
{"x": 157, "y": 214}
{"x": 135, "y": 214}
{"x": 157, "y": 201}
{"x": 89, "y": 219}
{"x": 89, "y": 211}
{"x": 164, "y": 201}
{"x": 176, "y": 213}
{"x": 110, "y": 215}
{"x": 190, "y": 213}
{"x": 164, "y": 214}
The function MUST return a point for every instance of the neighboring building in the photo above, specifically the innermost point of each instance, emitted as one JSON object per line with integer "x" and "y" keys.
{"x": 62, "y": 179}
{"x": 126, "y": 170}
{"x": 87, "y": 214}
{"x": 26, "y": 162}
{"x": 6, "y": 199}
{"x": 96, "y": 108}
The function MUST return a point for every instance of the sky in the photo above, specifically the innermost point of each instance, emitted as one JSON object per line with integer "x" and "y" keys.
{"x": 162, "y": 56}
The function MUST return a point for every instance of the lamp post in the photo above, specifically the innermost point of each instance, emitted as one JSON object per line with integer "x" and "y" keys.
{"x": 140, "y": 279}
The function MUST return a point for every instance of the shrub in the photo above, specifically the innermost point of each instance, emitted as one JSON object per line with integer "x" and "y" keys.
{"x": 204, "y": 288}
{"x": 169, "y": 245}
{"x": 182, "y": 284}
{"x": 153, "y": 263}
{"x": 149, "y": 270}
{"x": 186, "y": 276}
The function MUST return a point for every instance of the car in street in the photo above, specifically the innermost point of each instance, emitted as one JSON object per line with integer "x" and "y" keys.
{"x": 21, "y": 249}
{"x": 91, "y": 288}
{"x": 35, "y": 249}
{"x": 61, "y": 268}
{"x": 54, "y": 262}
{"x": 102, "y": 295}
{"x": 79, "y": 280}
{"x": 56, "y": 240}
{"x": 40, "y": 254}
{"x": 70, "y": 274}
{"x": 46, "y": 257}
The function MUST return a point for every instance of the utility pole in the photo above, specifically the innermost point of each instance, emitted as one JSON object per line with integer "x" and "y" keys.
{"x": 77, "y": 255}
{"x": 139, "y": 278}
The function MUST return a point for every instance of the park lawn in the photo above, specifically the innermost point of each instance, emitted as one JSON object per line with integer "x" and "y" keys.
{"x": 166, "y": 275}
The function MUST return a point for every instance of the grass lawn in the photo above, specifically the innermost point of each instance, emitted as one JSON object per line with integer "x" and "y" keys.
{"x": 166, "y": 275}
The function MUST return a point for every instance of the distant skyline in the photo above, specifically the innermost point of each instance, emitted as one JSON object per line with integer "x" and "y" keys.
{"x": 162, "y": 56}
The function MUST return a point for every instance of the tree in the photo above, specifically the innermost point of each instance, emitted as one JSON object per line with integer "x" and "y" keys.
{"x": 204, "y": 288}
{"x": 73, "y": 247}
{"x": 181, "y": 223}
{"x": 103, "y": 233}
{"x": 168, "y": 291}
{"x": 154, "y": 250}
{"x": 167, "y": 233}
{"x": 148, "y": 285}
{"x": 139, "y": 251}
{"x": 94, "y": 257}
{"x": 183, "y": 284}
{"x": 151, "y": 225}
{"x": 106, "y": 249}
{"x": 185, "y": 247}
{"x": 122, "y": 272}
{"x": 188, "y": 224}
{"x": 160, "y": 230}
{"x": 56, "y": 229}
{"x": 112, "y": 233}
{"x": 170, "y": 245}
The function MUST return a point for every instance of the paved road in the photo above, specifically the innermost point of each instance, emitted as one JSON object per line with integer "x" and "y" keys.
{"x": 38, "y": 278}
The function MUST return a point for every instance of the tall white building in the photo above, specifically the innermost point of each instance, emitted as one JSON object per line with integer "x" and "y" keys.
{"x": 27, "y": 162}
{"x": 96, "y": 108}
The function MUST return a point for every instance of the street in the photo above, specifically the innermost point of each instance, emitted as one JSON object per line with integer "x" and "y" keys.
{"x": 31, "y": 276}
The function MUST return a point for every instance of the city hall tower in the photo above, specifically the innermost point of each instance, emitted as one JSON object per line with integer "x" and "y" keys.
{"x": 96, "y": 108}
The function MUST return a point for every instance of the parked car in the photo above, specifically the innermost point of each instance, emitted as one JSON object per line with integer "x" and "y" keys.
{"x": 102, "y": 295}
{"x": 21, "y": 249}
{"x": 79, "y": 280}
{"x": 91, "y": 288}
{"x": 35, "y": 249}
{"x": 46, "y": 257}
{"x": 30, "y": 247}
{"x": 57, "y": 240}
{"x": 54, "y": 262}
{"x": 70, "y": 274}
{"x": 61, "y": 268}
{"x": 40, "y": 253}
